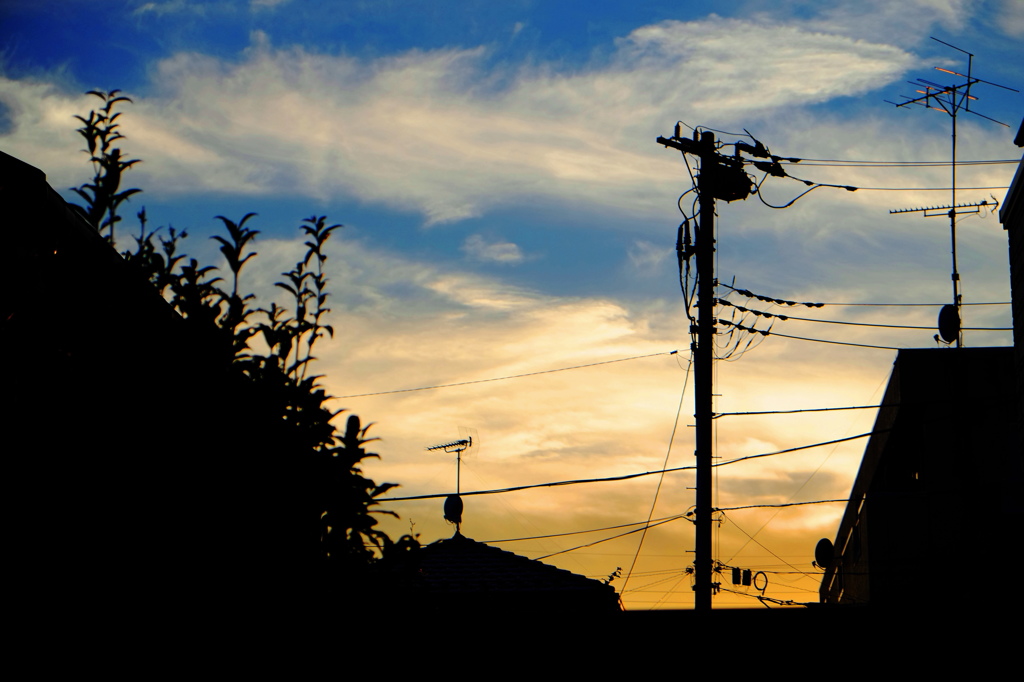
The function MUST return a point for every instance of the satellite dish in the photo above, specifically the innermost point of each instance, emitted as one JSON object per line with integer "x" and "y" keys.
{"x": 949, "y": 323}
{"x": 453, "y": 510}
{"x": 824, "y": 553}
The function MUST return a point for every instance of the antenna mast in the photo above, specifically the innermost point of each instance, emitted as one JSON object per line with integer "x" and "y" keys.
{"x": 453, "y": 503}
{"x": 951, "y": 99}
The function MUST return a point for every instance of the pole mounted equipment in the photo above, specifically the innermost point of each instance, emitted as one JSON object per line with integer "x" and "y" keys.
{"x": 719, "y": 177}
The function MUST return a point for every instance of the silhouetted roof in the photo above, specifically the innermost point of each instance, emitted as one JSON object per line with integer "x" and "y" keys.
{"x": 464, "y": 574}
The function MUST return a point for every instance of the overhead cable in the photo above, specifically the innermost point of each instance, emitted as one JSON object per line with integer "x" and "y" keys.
{"x": 802, "y": 447}
{"x": 624, "y": 477}
{"x": 763, "y": 599}
{"x": 759, "y": 544}
{"x": 785, "y": 504}
{"x": 810, "y": 409}
{"x": 779, "y": 301}
{"x": 898, "y": 164}
{"x": 614, "y": 537}
{"x": 765, "y": 332}
{"x": 652, "y": 522}
{"x": 513, "y": 376}
{"x": 589, "y": 530}
{"x": 661, "y": 479}
{"x": 767, "y": 315}
{"x": 927, "y": 189}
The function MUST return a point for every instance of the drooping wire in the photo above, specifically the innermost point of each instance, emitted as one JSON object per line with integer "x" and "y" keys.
{"x": 762, "y": 546}
{"x": 791, "y": 201}
{"x": 766, "y": 332}
{"x": 624, "y": 477}
{"x": 661, "y": 479}
{"x": 614, "y": 537}
{"x": 584, "y": 532}
{"x": 512, "y": 376}
{"x": 731, "y": 342}
{"x": 673, "y": 517}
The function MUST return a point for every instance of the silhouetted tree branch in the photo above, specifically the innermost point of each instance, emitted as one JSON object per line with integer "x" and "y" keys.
{"x": 340, "y": 499}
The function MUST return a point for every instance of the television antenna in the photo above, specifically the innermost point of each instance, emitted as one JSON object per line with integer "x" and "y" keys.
{"x": 951, "y": 99}
{"x": 457, "y": 447}
{"x": 453, "y": 503}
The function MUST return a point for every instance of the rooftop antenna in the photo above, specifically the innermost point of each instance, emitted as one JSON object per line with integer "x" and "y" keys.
{"x": 453, "y": 503}
{"x": 952, "y": 99}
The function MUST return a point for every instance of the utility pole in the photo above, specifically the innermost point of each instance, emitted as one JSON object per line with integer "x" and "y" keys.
{"x": 702, "y": 367}
{"x": 720, "y": 177}
{"x": 723, "y": 178}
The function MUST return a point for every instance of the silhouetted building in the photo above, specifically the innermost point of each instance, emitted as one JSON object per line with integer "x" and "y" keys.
{"x": 462, "y": 576}
{"x": 938, "y": 493}
{"x": 1012, "y": 216}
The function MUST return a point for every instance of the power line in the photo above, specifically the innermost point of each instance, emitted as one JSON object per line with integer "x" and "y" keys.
{"x": 512, "y": 376}
{"x": 765, "y": 332}
{"x": 802, "y": 447}
{"x": 583, "y": 532}
{"x": 840, "y": 163}
{"x": 614, "y": 537}
{"x": 754, "y": 540}
{"x": 785, "y": 504}
{"x": 926, "y": 189}
{"x": 657, "y": 491}
{"x": 779, "y": 301}
{"x": 652, "y": 523}
{"x": 767, "y": 315}
{"x": 625, "y": 477}
{"x": 552, "y": 484}
{"x": 931, "y": 305}
{"x": 810, "y": 409}
{"x": 763, "y": 599}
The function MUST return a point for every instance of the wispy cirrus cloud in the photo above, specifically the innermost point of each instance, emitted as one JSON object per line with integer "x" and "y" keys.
{"x": 288, "y": 121}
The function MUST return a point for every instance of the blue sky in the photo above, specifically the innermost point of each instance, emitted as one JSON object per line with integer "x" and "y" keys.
{"x": 508, "y": 211}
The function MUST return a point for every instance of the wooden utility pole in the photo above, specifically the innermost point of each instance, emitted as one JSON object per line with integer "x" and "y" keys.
{"x": 702, "y": 367}
{"x": 704, "y": 249}
{"x": 720, "y": 177}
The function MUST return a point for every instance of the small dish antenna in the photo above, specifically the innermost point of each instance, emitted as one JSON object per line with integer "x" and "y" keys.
{"x": 824, "y": 553}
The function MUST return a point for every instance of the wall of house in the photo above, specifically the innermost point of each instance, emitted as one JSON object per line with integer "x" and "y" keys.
{"x": 937, "y": 485}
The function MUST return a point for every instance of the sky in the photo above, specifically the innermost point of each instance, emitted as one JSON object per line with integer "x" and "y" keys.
{"x": 507, "y": 211}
